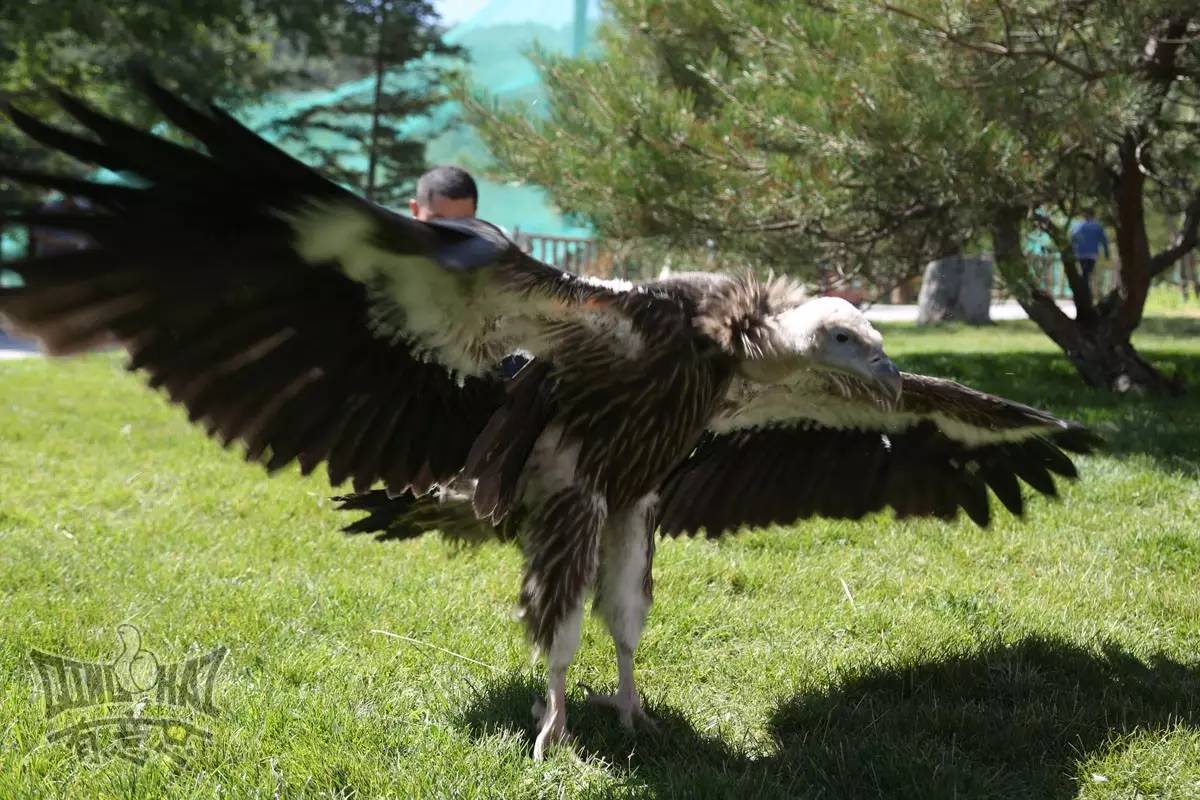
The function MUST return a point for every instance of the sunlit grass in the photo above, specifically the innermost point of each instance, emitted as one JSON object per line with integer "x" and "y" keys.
{"x": 1054, "y": 656}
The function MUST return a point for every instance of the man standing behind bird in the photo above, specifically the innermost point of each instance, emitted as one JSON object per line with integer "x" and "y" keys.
{"x": 445, "y": 192}
{"x": 449, "y": 192}
{"x": 1087, "y": 237}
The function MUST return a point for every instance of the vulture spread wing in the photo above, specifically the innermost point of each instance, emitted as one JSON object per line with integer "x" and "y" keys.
{"x": 825, "y": 450}
{"x": 281, "y": 309}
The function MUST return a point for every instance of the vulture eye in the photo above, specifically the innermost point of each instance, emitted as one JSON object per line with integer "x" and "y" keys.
{"x": 842, "y": 338}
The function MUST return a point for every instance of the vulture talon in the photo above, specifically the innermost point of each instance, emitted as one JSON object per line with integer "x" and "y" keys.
{"x": 552, "y": 731}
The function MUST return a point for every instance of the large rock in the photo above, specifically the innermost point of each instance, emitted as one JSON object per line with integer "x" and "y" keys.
{"x": 956, "y": 289}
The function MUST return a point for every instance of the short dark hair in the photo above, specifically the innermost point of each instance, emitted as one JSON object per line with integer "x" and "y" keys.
{"x": 1089, "y": 211}
{"x": 453, "y": 183}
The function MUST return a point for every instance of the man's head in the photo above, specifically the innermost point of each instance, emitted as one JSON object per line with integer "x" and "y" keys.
{"x": 445, "y": 193}
{"x": 1089, "y": 212}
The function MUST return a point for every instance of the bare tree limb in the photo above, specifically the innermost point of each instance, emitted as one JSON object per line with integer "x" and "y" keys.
{"x": 1185, "y": 239}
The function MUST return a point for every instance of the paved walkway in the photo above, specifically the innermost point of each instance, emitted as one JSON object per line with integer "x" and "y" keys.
{"x": 16, "y": 348}
{"x": 1000, "y": 312}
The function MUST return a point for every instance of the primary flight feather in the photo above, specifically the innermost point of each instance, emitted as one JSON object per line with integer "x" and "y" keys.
{"x": 287, "y": 313}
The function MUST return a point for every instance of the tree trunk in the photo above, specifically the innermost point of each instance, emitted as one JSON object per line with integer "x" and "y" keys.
{"x": 1101, "y": 351}
{"x": 373, "y": 148}
{"x": 1097, "y": 342}
{"x": 1104, "y": 356}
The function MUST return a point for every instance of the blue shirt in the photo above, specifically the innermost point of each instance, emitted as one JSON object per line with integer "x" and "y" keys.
{"x": 1087, "y": 237}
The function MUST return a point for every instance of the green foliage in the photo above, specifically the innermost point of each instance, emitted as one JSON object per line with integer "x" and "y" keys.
{"x": 757, "y": 127}
{"x": 213, "y": 49}
{"x": 231, "y": 51}
{"x": 362, "y": 139}
{"x": 808, "y": 136}
{"x": 85, "y": 47}
{"x": 1049, "y": 657}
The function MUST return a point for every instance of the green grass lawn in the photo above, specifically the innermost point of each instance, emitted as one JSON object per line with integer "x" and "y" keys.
{"x": 1058, "y": 656}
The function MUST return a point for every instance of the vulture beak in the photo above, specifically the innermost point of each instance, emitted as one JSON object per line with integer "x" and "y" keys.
{"x": 887, "y": 377}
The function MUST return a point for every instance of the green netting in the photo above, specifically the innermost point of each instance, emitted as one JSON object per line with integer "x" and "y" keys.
{"x": 12, "y": 245}
{"x": 496, "y": 40}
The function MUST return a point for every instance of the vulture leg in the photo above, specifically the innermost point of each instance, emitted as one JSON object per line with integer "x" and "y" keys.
{"x": 562, "y": 547}
{"x": 623, "y": 596}
{"x": 552, "y": 715}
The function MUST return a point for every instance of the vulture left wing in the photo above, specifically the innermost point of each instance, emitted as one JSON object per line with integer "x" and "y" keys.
{"x": 281, "y": 309}
{"x": 783, "y": 455}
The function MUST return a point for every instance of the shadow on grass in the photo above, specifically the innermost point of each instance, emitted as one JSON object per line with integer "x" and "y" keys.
{"x": 1170, "y": 326}
{"x": 1167, "y": 429}
{"x": 1006, "y": 721}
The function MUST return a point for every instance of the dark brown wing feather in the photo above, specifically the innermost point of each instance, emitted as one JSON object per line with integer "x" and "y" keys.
{"x": 408, "y": 516}
{"x": 195, "y": 275}
{"x": 761, "y": 477}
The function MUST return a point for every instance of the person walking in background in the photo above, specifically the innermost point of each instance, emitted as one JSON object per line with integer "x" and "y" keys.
{"x": 1087, "y": 238}
{"x": 445, "y": 192}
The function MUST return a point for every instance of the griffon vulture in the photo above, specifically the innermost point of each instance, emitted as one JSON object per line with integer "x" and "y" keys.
{"x": 289, "y": 314}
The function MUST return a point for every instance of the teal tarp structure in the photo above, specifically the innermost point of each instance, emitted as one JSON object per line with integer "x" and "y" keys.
{"x": 496, "y": 39}
{"x": 12, "y": 244}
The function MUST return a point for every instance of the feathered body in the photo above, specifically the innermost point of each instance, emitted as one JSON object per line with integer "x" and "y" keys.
{"x": 284, "y": 312}
{"x": 591, "y": 430}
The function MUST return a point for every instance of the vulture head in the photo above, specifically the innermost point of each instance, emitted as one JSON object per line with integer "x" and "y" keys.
{"x": 829, "y": 336}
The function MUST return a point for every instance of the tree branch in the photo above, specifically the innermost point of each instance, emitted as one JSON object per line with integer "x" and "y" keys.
{"x": 1005, "y": 49}
{"x": 1010, "y": 260}
{"x": 1081, "y": 292}
{"x": 1185, "y": 240}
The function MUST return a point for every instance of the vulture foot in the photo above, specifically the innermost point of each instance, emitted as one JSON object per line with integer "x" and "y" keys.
{"x": 628, "y": 706}
{"x": 552, "y": 729}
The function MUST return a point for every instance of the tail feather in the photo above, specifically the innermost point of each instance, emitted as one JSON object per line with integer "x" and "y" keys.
{"x": 409, "y": 516}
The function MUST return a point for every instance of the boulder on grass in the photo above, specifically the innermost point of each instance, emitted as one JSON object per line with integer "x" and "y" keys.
{"x": 956, "y": 289}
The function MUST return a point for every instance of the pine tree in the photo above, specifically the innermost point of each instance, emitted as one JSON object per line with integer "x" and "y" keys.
{"x": 361, "y": 138}
{"x": 1102, "y": 100}
{"x": 869, "y": 138}
{"x": 210, "y": 50}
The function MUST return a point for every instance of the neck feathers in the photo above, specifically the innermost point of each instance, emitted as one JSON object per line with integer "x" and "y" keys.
{"x": 739, "y": 314}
